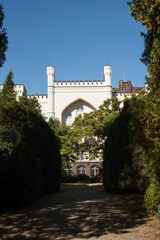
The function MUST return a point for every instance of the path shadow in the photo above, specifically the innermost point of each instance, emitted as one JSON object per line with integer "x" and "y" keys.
{"x": 75, "y": 212}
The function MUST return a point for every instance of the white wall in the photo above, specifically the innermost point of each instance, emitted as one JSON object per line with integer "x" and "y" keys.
{"x": 68, "y": 95}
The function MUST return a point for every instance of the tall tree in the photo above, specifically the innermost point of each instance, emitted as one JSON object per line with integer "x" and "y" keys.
{"x": 148, "y": 13}
{"x": 3, "y": 39}
{"x": 8, "y": 87}
{"x": 123, "y": 165}
{"x": 86, "y": 134}
{"x": 66, "y": 141}
{"x": 30, "y": 162}
{"x": 91, "y": 129}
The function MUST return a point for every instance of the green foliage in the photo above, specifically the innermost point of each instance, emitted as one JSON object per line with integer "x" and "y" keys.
{"x": 87, "y": 133}
{"x": 66, "y": 141}
{"x": 68, "y": 144}
{"x": 3, "y": 38}
{"x": 30, "y": 163}
{"x": 8, "y": 87}
{"x": 123, "y": 166}
{"x": 80, "y": 178}
{"x": 148, "y": 12}
{"x": 30, "y": 105}
{"x": 55, "y": 126}
{"x": 91, "y": 130}
{"x": 152, "y": 198}
{"x": 83, "y": 178}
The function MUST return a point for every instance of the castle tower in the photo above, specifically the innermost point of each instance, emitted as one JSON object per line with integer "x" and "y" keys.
{"x": 51, "y": 91}
{"x": 107, "y": 76}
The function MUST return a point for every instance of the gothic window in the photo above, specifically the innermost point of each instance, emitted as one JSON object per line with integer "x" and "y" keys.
{"x": 81, "y": 170}
{"x": 79, "y": 107}
{"x": 67, "y": 118}
{"x": 94, "y": 170}
{"x": 79, "y": 110}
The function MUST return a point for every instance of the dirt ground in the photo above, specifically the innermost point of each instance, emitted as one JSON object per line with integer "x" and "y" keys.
{"x": 81, "y": 212}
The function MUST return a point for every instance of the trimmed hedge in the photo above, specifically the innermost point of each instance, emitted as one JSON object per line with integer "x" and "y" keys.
{"x": 152, "y": 198}
{"x": 30, "y": 162}
{"x": 123, "y": 166}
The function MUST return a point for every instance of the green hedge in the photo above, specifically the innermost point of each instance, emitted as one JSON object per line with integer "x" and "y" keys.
{"x": 30, "y": 163}
{"x": 152, "y": 198}
{"x": 78, "y": 178}
{"x": 123, "y": 166}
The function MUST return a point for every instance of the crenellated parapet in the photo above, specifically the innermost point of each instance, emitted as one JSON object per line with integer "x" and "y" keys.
{"x": 38, "y": 96}
{"x": 65, "y": 100}
{"x": 80, "y": 83}
{"x": 19, "y": 89}
{"x": 61, "y": 93}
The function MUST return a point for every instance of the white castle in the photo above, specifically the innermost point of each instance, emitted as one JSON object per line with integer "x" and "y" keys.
{"x": 67, "y": 99}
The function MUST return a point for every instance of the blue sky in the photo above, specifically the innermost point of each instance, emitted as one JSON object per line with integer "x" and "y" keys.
{"x": 78, "y": 37}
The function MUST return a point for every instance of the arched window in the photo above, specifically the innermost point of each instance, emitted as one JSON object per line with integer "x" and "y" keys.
{"x": 67, "y": 114}
{"x": 79, "y": 110}
{"x": 81, "y": 170}
{"x": 67, "y": 118}
{"x": 94, "y": 170}
{"x": 79, "y": 107}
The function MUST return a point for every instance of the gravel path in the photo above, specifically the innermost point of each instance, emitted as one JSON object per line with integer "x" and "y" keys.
{"x": 81, "y": 212}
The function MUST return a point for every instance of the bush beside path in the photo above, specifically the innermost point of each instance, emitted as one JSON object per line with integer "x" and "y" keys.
{"x": 81, "y": 211}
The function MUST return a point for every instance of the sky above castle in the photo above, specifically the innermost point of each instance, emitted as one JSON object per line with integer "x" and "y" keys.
{"x": 78, "y": 37}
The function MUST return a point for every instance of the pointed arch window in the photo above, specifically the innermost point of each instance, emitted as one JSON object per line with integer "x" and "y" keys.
{"x": 79, "y": 110}
{"x": 68, "y": 118}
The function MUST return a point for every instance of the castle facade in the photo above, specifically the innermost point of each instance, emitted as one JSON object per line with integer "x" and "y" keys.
{"x": 65, "y": 100}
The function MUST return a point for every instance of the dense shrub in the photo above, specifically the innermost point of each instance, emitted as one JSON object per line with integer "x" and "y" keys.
{"x": 123, "y": 166}
{"x": 83, "y": 178}
{"x": 152, "y": 198}
{"x": 69, "y": 178}
{"x": 147, "y": 12}
{"x": 78, "y": 178}
{"x": 30, "y": 163}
